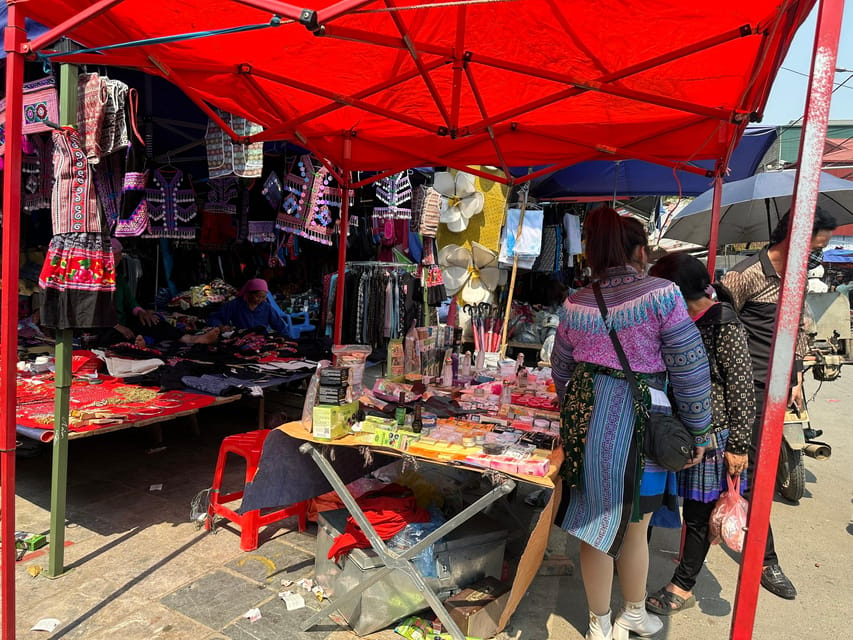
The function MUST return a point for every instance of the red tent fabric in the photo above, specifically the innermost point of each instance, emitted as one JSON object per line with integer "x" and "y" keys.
{"x": 385, "y": 85}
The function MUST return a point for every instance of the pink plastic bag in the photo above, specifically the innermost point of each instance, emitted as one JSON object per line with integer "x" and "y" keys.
{"x": 728, "y": 519}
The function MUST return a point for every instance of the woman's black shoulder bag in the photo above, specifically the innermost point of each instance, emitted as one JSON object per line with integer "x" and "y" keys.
{"x": 666, "y": 440}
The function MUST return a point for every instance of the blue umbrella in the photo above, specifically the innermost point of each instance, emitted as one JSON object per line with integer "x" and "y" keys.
{"x": 751, "y": 208}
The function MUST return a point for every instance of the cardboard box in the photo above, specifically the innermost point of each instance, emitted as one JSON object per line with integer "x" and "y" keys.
{"x": 478, "y": 608}
{"x": 332, "y": 421}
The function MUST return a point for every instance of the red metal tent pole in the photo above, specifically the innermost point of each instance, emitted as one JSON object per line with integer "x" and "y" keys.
{"x": 15, "y": 37}
{"x": 342, "y": 244}
{"x": 339, "y": 8}
{"x": 790, "y": 305}
{"x": 715, "y": 219}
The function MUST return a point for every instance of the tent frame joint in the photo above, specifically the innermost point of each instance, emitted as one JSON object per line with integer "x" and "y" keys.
{"x": 308, "y": 18}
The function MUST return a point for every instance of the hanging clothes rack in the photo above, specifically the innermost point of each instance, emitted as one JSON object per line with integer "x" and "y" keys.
{"x": 383, "y": 265}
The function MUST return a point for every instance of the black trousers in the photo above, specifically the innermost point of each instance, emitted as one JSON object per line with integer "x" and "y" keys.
{"x": 696, "y": 516}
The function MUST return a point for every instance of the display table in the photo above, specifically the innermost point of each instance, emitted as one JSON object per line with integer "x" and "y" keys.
{"x": 288, "y": 473}
{"x": 111, "y": 405}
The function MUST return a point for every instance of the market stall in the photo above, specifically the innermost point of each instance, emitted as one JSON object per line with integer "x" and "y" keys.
{"x": 473, "y": 102}
{"x": 506, "y": 443}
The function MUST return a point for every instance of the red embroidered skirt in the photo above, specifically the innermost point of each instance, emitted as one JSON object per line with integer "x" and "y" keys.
{"x": 79, "y": 281}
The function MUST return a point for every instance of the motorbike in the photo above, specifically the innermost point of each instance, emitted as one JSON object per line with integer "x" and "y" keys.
{"x": 799, "y": 438}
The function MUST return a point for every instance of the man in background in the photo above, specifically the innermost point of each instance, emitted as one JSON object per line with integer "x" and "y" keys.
{"x": 755, "y": 285}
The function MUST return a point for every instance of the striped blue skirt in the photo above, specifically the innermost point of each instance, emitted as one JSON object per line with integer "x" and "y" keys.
{"x": 599, "y": 510}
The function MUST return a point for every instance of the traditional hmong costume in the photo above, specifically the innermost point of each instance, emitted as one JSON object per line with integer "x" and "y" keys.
{"x": 78, "y": 275}
{"x": 609, "y": 481}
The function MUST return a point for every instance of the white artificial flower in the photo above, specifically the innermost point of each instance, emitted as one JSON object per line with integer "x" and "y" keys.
{"x": 475, "y": 274}
{"x": 460, "y": 199}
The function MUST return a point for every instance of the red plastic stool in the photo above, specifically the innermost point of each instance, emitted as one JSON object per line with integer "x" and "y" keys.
{"x": 249, "y": 446}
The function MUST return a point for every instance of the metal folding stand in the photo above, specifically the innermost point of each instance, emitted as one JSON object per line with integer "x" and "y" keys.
{"x": 397, "y": 561}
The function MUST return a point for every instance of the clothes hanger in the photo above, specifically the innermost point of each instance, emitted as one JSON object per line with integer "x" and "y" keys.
{"x": 168, "y": 166}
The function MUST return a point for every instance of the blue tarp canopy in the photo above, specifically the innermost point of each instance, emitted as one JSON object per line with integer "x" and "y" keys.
{"x": 638, "y": 178}
{"x": 838, "y": 256}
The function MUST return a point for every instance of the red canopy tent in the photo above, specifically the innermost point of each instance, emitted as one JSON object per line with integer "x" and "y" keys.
{"x": 498, "y": 82}
{"x": 370, "y": 85}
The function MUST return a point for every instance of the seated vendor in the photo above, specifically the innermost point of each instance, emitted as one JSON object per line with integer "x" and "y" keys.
{"x": 135, "y": 323}
{"x": 249, "y": 309}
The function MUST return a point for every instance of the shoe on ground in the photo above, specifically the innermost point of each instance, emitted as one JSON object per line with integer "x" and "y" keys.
{"x": 635, "y": 619}
{"x": 777, "y": 582}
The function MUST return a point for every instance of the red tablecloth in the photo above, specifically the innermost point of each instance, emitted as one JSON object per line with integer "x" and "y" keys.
{"x": 36, "y": 398}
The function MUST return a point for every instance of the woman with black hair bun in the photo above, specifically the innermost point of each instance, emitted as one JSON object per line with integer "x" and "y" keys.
{"x": 732, "y": 416}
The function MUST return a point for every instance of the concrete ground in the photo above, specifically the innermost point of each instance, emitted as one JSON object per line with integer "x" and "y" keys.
{"x": 138, "y": 569}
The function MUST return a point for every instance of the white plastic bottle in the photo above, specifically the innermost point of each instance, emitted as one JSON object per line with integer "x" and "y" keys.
{"x": 447, "y": 372}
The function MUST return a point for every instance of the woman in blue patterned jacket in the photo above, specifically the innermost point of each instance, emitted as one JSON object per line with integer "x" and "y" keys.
{"x": 613, "y": 491}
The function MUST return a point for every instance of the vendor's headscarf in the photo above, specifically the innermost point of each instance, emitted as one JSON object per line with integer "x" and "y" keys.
{"x": 255, "y": 284}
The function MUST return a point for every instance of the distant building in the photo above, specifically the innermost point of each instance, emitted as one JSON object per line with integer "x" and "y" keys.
{"x": 837, "y": 160}
{"x": 783, "y": 153}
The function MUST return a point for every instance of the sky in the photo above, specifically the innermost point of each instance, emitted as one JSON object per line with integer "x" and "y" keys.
{"x": 788, "y": 95}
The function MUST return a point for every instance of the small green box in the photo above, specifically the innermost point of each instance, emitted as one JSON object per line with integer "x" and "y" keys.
{"x": 333, "y": 421}
{"x": 394, "y": 437}
{"x": 32, "y": 541}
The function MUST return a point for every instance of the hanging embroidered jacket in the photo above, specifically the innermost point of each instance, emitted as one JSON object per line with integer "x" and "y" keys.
{"x": 74, "y": 207}
{"x": 227, "y": 158}
{"x": 171, "y": 205}
{"x": 394, "y": 191}
{"x": 222, "y": 197}
{"x": 91, "y": 109}
{"x": 114, "y": 131}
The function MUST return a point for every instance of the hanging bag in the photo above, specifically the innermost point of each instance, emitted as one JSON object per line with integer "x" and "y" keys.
{"x": 133, "y": 212}
{"x": 728, "y": 519}
{"x": 41, "y": 103}
{"x": 666, "y": 440}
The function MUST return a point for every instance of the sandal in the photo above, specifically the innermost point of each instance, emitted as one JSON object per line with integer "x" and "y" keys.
{"x": 668, "y": 602}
